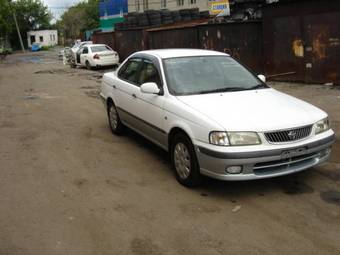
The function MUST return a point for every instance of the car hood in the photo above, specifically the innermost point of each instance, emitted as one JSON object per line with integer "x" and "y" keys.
{"x": 254, "y": 110}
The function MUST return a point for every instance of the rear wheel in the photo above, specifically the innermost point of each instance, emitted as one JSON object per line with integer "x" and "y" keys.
{"x": 184, "y": 161}
{"x": 116, "y": 125}
{"x": 88, "y": 65}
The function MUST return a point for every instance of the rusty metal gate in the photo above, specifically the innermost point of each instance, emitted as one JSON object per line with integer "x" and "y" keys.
{"x": 302, "y": 41}
{"x": 129, "y": 41}
{"x": 242, "y": 40}
{"x": 182, "y": 37}
{"x": 105, "y": 38}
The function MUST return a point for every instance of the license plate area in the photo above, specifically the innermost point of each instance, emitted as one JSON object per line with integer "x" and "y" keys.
{"x": 293, "y": 153}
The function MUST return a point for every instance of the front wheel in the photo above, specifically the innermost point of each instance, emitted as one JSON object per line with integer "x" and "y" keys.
{"x": 184, "y": 161}
{"x": 116, "y": 125}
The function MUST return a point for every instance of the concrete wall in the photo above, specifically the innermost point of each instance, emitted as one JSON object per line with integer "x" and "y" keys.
{"x": 169, "y": 4}
{"x": 43, "y": 37}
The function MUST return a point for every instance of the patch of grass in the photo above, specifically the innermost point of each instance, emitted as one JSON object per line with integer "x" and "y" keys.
{"x": 45, "y": 47}
{"x": 4, "y": 50}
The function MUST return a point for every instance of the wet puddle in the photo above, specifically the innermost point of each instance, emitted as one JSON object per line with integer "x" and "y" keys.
{"x": 331, "y": 197}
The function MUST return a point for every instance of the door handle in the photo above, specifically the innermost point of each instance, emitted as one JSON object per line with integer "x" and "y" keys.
{"x": 114, "y": 86}
{"x": 134, "y": 96}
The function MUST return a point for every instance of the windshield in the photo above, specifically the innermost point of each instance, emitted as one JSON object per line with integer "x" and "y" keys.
{"x": 100, "y": 48}
{"x": 208, "y": 74}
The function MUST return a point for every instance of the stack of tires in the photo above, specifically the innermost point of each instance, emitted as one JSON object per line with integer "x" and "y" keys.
{"x": 176, "y": 16}
{"x": 194, "y": 13}
{"x": 185, "y": 14}
{"x": 166, "y": 17}
{"x": 143, "y": 20}
{"x": 154, "y": 17}
{"x": 132, "y": 20}
{"x": 204, "y": 15}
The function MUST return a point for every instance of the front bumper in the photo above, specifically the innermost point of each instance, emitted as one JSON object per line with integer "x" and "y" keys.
{"x": 260, "y": 164}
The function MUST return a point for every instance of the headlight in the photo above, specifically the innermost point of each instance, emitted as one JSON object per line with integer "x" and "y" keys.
{"x": 243, "y": 138}
{"x": 321, "y": 126}
{"x": 219, "y": 138}
{"x": 234, "y": 138}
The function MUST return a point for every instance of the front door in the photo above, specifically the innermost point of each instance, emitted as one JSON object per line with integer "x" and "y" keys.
{"x": 151, "y": 106}
{"x": 83, "y": 56}
{"x": 126, "y": 91}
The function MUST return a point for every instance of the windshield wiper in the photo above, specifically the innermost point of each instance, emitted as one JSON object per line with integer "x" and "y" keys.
{"x": 221, "y": 90}
{"x": 259, "y": 86}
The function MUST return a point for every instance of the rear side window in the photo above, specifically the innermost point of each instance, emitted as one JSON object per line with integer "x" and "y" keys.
{"x": 130, "y": 70}
{"x": 85, "y": 50}
{"x": 149, "y": 73}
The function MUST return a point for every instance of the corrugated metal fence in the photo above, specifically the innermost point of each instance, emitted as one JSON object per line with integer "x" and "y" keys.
{"x": 298, "y": 41}
{"x": 303, "y": 39}
{"x": 241, "y": 40}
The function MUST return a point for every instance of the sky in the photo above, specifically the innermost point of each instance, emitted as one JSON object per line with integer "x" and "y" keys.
{"x": 58, "y": 7}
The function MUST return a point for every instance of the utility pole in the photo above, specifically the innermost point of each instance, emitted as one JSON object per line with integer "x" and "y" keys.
{"x": 17, "y": 26}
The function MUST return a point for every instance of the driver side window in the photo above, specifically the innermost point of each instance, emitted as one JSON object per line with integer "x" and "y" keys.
{"x": 130, "y": 71}
{"x": 149, "y": 73}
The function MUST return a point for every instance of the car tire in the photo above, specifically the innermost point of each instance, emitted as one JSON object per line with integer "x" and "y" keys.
{"x": 184, "y": 161}
{"x": 116, "y": 126}
{"x": 88, "y": 65}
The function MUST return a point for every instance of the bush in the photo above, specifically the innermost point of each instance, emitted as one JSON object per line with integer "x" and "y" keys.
{"x": 4, "y": 50}
{"x": 45, "y": 48}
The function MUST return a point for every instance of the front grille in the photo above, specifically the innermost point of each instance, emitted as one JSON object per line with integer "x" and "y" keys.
{"x": 289, "y": 135}
{"x": 287, "y": 164}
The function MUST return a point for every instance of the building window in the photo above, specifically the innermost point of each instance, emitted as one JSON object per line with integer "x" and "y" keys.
{"x": 54, "y": 38}
{"x": 145, "y": 4}
{"x": 41, "y": 38}
{"x": 163, "y": 3}
{"x": 137, "y": 5}
{"x": 180, "y": 2}
{"x": 192, "y": 1}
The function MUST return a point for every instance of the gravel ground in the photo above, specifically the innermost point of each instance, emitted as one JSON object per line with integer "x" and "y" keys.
{"x": 68, "y": 186}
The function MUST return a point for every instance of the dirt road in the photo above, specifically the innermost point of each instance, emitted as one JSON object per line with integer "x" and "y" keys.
{"x": 68, "y": 186}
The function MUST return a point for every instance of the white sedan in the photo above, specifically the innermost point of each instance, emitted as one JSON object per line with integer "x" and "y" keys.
{"x": 96, "y": 55}
{"x": 214, "y": 116}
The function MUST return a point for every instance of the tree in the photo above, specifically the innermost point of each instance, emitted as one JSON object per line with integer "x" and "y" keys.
{"x": 6, "y": 24}
{"x": 31, "y": 14}
{"x": 79, "y": 18}
{"x": 92, "y": 14}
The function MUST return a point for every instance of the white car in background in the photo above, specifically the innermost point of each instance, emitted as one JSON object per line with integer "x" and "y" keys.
{"x": 96, "y": 55}
{"x": 79, "y": 45}
{"x": 214, "y": 116}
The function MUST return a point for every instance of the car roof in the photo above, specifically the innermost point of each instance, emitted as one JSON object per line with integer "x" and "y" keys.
{"x": 93, "y": 45}
{"x": 175, "y": 53}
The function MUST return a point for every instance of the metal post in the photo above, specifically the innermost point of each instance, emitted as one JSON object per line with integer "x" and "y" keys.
{"x": 17, "y": 26}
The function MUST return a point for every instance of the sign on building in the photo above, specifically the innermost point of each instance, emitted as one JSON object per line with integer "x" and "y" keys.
{"x": 221, "y": 7}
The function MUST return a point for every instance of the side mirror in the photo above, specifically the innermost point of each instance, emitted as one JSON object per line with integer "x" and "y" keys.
{"x": 262, "y": 77}
{"x": 149, "y": 88}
